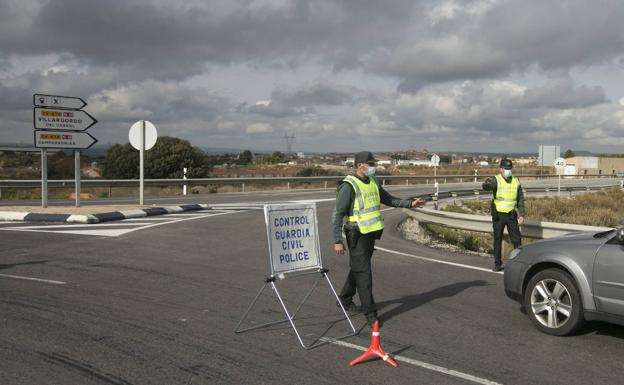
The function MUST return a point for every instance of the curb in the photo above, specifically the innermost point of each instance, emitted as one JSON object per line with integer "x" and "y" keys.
{"x": 101, "y": 217}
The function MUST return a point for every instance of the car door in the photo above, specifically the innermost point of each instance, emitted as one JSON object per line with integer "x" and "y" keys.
{"x": 609, "y": 277}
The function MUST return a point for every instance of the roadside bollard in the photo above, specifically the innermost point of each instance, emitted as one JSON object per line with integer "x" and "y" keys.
{"x": 476, "y": 193}
{"x": 454, "y": 195}
{"x": 435, "y": 202}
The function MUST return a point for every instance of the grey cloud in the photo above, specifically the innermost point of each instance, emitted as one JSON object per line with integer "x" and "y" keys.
{"x": 561, "y": 93}
{"x": 144, "y": 37}
{"x": 275, "y": 110}
{"x": 507, "y": 37}
{"x": 316, "y": 95}
{"x": 302, "y": 101}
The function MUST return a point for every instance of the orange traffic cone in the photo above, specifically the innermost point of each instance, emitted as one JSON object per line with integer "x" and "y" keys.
{"x": 374, "y": 350}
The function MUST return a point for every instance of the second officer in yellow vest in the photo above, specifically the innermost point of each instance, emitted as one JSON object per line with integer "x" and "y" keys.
{"x": 507, "y": 208}
{"x": 359, "y": 199}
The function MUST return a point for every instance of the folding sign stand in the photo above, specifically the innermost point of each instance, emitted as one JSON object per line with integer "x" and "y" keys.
{"x": 322, "y": 272}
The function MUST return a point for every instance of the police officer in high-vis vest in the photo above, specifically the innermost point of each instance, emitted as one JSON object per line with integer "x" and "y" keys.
{"x": 507, "y": 208}
{"x": 359, "y": 199}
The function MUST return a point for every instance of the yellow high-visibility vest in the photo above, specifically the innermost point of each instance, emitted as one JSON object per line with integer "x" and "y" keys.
{"x": 506, "y": 198}
{"x": 366, "y": 205}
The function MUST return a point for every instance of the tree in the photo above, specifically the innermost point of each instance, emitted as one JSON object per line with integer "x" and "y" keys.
{"x": 166, "y": 159}
{"x": 60, "y": 166}
{"x": 446, "y": 159}
{"x": 170, "y": 155}
{"x": 122, "y": 162}
{"x": 278, "y": 157}
{"x": 569, "y": 154}
{"x": 245, "y": 157}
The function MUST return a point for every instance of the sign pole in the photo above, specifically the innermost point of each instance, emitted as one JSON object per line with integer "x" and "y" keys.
{"x": 142, "y": 136}
{"x": 44, "y": 178}
{"x": 142, "y": 153}
{"x": 77, "y": 176}
{"x": 560, "y": 165}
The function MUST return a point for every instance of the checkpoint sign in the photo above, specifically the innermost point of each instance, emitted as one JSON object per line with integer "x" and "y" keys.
{"x": 292, "y": 232}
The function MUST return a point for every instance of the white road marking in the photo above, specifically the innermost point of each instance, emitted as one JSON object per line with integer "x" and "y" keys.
{"x": 69, "y": 226}
{"x": 153, "y": 219}
{"x": 424, "y": 365}
{"x": 33, "y": 279}
{"x": 313, "y": 200}
{"x": 97, "y": 228}
{"x": 438, "y": 261}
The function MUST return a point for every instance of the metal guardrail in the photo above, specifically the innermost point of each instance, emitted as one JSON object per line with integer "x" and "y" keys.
{"x": 248, "y": 180}
{"x": 483, "y": 224}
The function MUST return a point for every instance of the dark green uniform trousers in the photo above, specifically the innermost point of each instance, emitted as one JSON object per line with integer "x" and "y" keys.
{"x": 499, "y": 222}
{"x": 360, "y": 278}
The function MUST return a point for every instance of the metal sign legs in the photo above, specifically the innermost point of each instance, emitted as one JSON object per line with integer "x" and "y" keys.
{"x": 290, "y": 318}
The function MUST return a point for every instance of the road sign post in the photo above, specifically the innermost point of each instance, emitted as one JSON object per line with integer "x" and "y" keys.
{"x": 64, "y": 139}
{"x": 560, "y": 164}
{"x": 435, "y": 161}
{"x": 56, "y": 101}
{"x": 77, "y": 176}
{"x": 44, "y": 178}
{"x": 60, "y": 122}
{"x": 142, "y": 136}
{"x": 60, "y": 119}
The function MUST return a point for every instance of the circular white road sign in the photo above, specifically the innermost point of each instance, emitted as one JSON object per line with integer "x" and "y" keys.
{"x": 560, "y": 163}
{"x": 150, "y": 135}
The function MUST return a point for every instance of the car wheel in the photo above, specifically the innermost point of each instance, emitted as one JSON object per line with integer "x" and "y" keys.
{"x": 553, "y": 302}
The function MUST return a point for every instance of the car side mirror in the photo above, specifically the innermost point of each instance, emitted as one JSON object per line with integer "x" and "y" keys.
{"x": 619, "y": 235}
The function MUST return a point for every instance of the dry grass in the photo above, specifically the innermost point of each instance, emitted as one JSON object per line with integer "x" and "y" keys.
{"x": 603, "y": 208}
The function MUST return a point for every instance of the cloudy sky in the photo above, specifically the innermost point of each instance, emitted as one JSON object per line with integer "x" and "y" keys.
{"x": 339, "y": 75}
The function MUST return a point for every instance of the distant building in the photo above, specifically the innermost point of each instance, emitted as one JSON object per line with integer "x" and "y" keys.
{"x": 585, "y": 165}
{"x": 414, "y": 162}
{"x": 524, "y": 161}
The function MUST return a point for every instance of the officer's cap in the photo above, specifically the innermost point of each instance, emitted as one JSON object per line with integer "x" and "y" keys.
{"x": 506, "y": 163}
{"x": 364, "y": 157}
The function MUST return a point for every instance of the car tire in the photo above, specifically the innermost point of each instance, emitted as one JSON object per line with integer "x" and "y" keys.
{"x": 553, "y": 302}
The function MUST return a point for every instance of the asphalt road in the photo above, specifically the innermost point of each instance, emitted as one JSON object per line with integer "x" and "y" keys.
{"x": 159, "y": 305}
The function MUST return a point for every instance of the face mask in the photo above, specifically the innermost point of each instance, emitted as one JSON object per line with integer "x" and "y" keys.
{"x": 370, "y": 171}
{"x": 506, "y": 173}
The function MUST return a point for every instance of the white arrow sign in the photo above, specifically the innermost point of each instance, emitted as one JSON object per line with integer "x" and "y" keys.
{"x": 57, "y": 119}
{"x": 63, "y": 139}
{"x": 41, "y": 100}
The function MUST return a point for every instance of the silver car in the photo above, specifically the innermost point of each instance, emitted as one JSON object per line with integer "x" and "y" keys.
{"x": 563, "y": 281}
